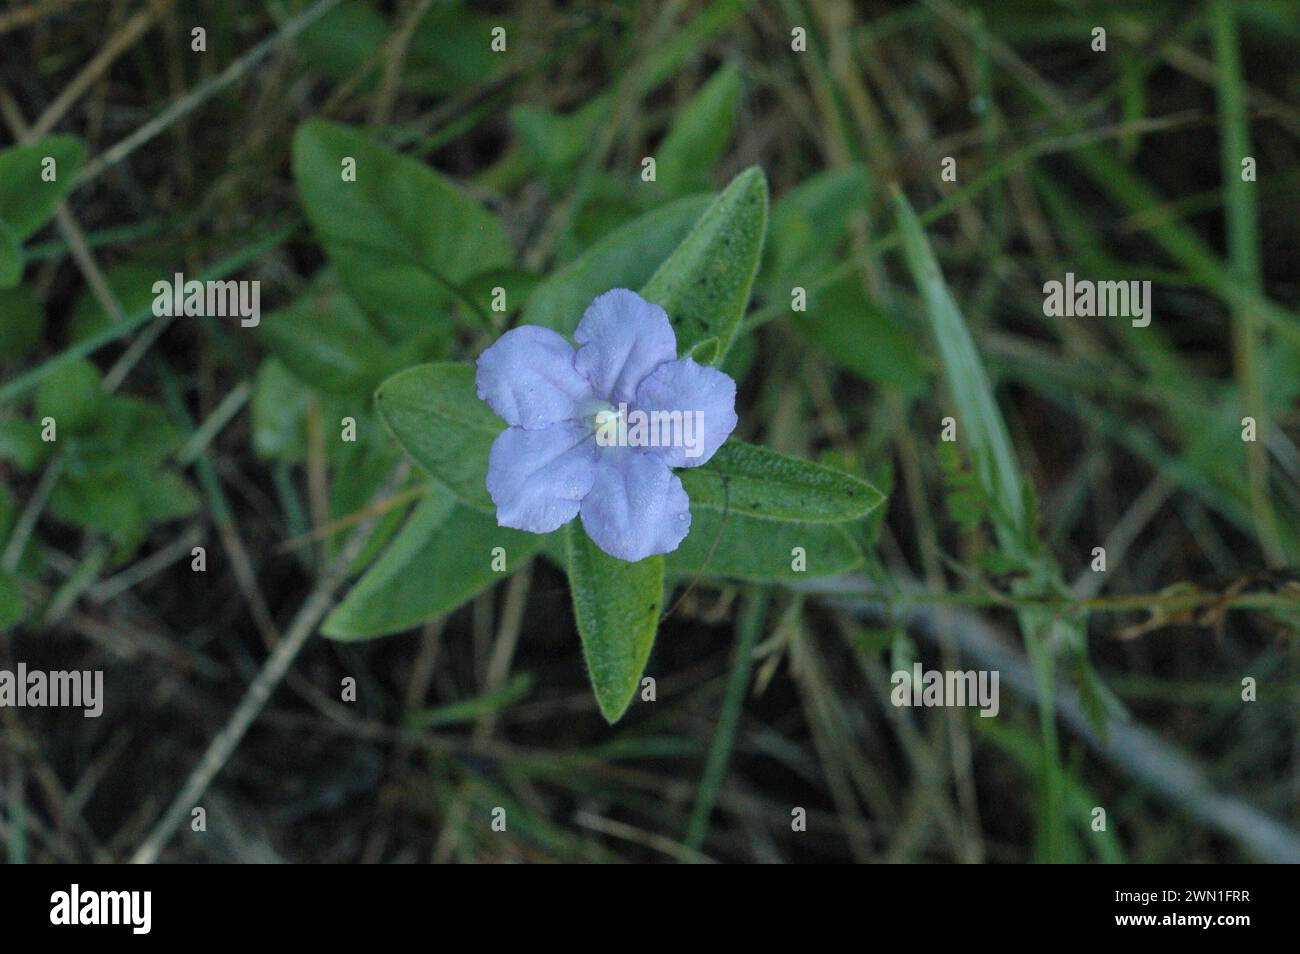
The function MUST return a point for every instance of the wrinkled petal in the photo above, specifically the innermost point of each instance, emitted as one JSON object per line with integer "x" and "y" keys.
{"x": 706, "y": 398}
{"x": 623, "y": 338}
{"x": 527, "y": 376}
{"x": 538, "y": 478}
{"x": 637, "y": 506}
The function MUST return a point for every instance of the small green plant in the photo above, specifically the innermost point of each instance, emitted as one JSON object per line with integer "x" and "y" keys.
{"x": 403, "y": 243}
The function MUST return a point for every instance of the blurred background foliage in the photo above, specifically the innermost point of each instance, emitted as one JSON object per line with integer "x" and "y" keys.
{"x": 1121, "y": 689}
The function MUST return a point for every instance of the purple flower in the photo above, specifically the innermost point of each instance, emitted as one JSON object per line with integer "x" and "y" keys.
{"x": 596, "y": 430}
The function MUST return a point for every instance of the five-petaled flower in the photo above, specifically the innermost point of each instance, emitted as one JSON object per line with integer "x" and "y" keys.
{"x": 548, "y": 466}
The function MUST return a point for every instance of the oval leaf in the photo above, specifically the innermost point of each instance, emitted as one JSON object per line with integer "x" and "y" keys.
{"x": 27, "y": 200}
{"x": 402, "y": 238}
{"x": 435, "y": 414}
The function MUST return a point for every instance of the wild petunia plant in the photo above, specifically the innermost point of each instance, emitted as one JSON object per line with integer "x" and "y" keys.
{"x": 585, "y": 426}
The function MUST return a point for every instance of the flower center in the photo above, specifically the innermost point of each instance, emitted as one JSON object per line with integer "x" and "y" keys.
{"x": 606, "y": 422}
{"x": 600, "y": 414}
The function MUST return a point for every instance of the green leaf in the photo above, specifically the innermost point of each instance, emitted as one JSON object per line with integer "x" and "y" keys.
{"x": 516, "y": 284}
{"x": 760, "y": 550}
{"x": 435, "y": 414}
{"x": 8, "y": 513}
{"x": 874, "y": 641}
{"x": 610, "y": 202}
{"x": 167, "y": 496}
{"x": 132, "y": 286}
{"x": 20, "y": 442}
{"x": 100, "y": 500}
{"x": 402, "y": 238}
{"x": 808, "y": 224}
{"x": 340, "y": 42}
{"x": 13, "y": 605}
{"x": 704, "y": 286}
{"x": 556, "y": 143}
{"x": 626, "y": 258}
{"x": 852, "y": 332}
{"x": 279, "y": 412}
{"x": 616, "y": 605}
{"x": 328, "y": 342}
{"x": 440, "y": 558}
{"x": 360, "y": 468}
{"x": 757, "y": 482}
{"x": 450, "y": 50}
{"x": 11, "y": 257}
{"x": 132, "y": 432}
{"x": 984, "y": 432}
{"x": 71, "y": 395}
{"x": 978, "y": 419}
{"x": 21, "y": 320}
{"x": 700, "y": 135}
{"x": 26, "y": 200}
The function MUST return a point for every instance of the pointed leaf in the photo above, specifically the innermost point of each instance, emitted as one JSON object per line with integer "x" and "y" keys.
{"x": 808, "y": 224}
{"x": 704, "y": 286}
{"x": 699, "y": 135}
{"x": 626, "y": 258}
{"x": 617, "y": 606}
{"x": 978, "y": 414}
{"x": 440, "y": 558}
{"x": 745, "y": 548}
{"x": 758, "y": 482}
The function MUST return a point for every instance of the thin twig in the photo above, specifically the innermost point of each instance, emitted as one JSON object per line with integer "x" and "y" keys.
{"x": 113, "y": 47}
{"x": 394, "y": 60}
{"x": 31, "y": 513}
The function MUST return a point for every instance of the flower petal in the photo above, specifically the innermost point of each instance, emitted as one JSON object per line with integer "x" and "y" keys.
{"x": 637, "y": 506}
{"x": 537, "y": 478}
{"x": 623, "y": 338}
{"x": 707, "y": 399}
{"x": 528, "y": 377}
